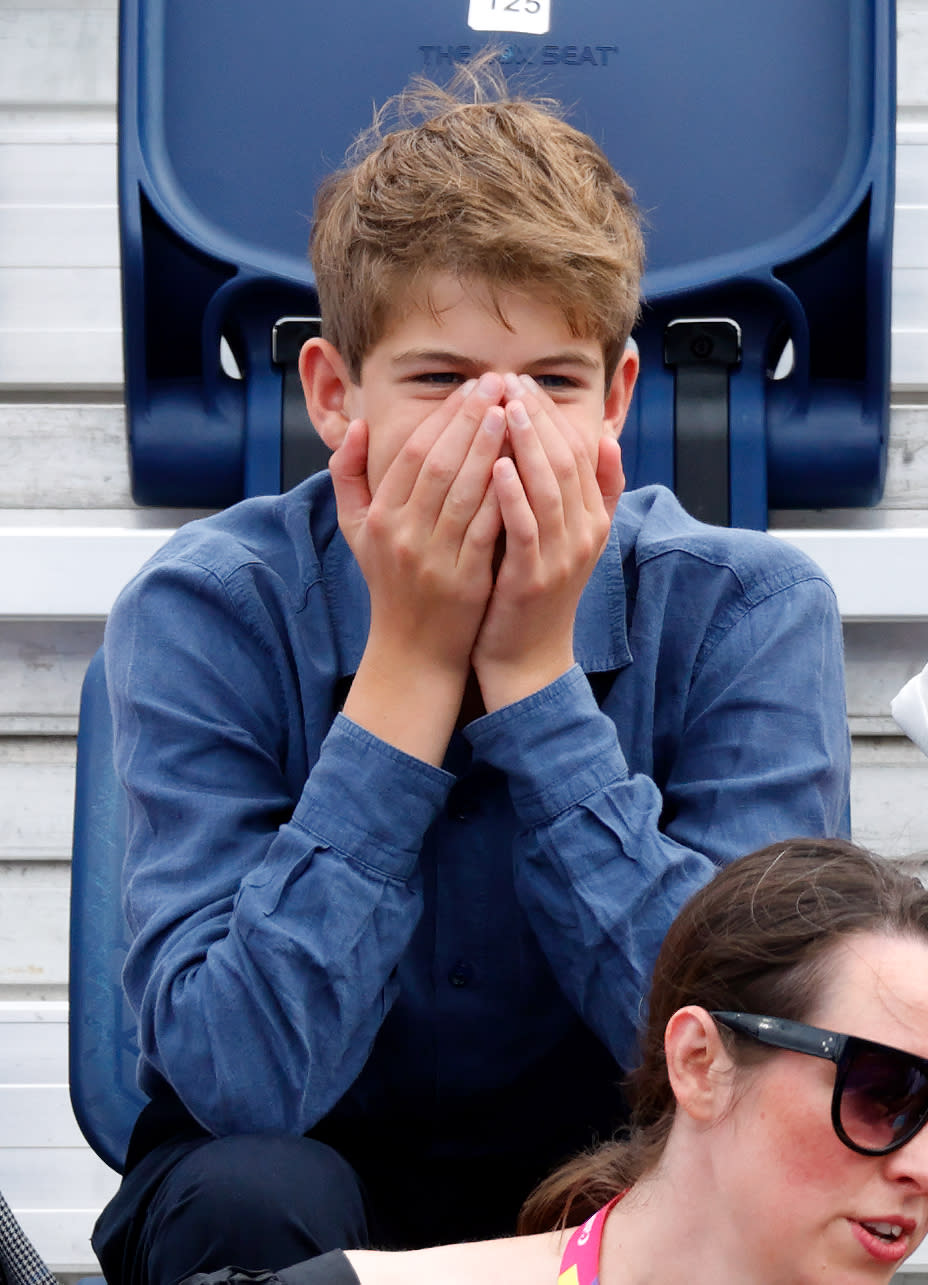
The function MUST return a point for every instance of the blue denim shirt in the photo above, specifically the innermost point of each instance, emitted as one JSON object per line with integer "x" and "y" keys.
{"x": 321, "y": 919}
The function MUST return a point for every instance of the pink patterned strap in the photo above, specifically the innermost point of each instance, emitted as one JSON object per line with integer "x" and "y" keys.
{"x": 580, "y": 1264}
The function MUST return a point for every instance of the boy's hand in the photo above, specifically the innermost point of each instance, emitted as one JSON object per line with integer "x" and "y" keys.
{"x": 557, "y": 506}
{"x": 425, "y": 542}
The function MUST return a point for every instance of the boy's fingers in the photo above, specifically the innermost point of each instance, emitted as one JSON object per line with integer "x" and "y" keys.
{"x": 554, "y": 427}
{"x": 482, "y": 532}
{"x": 350, "y": 458}
{"x": 403, "y": 471}
{"x": 610, "y": 476}
{"x": 348, "y": 468}
{"x": 560, "y": 436}
{"x": 468, "y": 441}
{"x": 567, "y": 451}
{"x": 543, "y": 478}
{"x": 518, "y": 516}
{"x": 470, "y": 477}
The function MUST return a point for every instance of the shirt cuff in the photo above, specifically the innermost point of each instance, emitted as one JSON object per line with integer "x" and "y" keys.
{"x": 556, "y": 747}
{"x": 371, "y": 801}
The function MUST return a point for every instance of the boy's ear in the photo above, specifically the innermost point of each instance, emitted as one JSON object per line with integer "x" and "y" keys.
{"x": 325, "y": 381}
{"x": 619, "y": 392}
{"x": 698, "y": 1064}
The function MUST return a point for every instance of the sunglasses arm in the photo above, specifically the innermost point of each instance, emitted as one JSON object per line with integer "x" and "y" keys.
{"x": 781, "y": 1033}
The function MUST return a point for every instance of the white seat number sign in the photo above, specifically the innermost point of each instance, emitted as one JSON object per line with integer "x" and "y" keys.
{"x": 533, "y": 16}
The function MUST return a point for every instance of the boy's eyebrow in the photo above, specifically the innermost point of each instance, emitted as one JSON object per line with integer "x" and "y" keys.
{"x": 570, "y": 357}
{"x": 437, "y": 355}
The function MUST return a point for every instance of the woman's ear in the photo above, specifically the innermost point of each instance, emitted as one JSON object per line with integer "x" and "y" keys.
{"x": 326, "y": 382}
{"x": 619, "y": 392}
{"x": 698, "y": 1065}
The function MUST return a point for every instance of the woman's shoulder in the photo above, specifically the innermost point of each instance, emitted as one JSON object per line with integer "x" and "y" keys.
{"x": 515, "y": 1260}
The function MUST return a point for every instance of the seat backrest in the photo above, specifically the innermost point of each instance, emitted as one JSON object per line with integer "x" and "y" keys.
{"x": 102, "y": 1031}
{"x": 759, "y": 138}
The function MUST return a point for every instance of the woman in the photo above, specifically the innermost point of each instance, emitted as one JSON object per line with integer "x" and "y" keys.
{"x": 777, "y": 1112}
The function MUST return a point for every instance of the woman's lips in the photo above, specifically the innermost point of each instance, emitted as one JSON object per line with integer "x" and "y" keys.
{"x": 885, "y": 1239}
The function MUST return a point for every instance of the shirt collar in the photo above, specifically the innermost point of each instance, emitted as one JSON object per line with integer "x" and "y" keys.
{"x": 349, "y": 603}
{"x": 600, "y": 631}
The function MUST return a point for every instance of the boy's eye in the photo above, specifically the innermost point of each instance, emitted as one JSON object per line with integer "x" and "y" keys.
{"x": 439, "y": 378}
{"x": 451, "y": 379}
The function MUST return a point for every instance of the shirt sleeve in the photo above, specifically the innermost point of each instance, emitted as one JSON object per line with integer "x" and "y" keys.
{"x": 267, "y": 918}
{"x": 606, "y": 858}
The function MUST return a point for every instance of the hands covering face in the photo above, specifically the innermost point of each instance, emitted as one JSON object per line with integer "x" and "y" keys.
{"x": 483, "y": 532}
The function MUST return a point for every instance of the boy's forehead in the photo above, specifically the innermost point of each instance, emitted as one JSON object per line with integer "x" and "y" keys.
{"x": 436, "y": 302}
{"x": 436, "y": 293}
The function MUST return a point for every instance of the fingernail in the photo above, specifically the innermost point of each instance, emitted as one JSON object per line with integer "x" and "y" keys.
{"x": 469, "y": 387}
{"x": 528, "y": 384}
{"x": 512, "y": 385}
{"x": 489, "y": 385}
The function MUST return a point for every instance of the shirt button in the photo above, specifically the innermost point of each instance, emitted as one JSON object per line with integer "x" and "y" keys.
{"x": 462, "y": 974}
{"x": 464, "y": 808}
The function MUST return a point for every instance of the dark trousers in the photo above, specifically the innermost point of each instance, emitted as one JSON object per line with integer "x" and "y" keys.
{"x": 251, "y": 1201}
{"x": 198, "y": 1204}
{"x": 190, "y": 1202}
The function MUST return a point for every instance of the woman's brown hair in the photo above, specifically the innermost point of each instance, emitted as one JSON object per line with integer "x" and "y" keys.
{"x": 756, "y": 939}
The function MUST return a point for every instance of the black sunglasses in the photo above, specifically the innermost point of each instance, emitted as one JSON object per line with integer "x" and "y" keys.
{"x": 880, "y": 1098}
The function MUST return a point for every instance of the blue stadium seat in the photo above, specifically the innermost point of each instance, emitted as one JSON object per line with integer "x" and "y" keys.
{"x": 102, "y": 1032}
{"x": 759, "y": 138}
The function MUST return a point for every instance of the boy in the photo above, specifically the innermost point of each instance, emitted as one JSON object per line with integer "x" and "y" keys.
{"x": 423, "y": 756}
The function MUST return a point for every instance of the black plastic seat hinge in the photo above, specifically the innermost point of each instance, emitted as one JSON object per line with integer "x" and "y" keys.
{"x": 302, "y": 450}
{"x": 702, "y": 352}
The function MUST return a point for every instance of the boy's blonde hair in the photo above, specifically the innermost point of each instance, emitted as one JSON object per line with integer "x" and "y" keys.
{"x": 484, "y": 186}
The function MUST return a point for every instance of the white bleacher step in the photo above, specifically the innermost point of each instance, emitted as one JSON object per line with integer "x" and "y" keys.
{"x": 51, "y": 1179}
{"x": 76, "y": 571}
